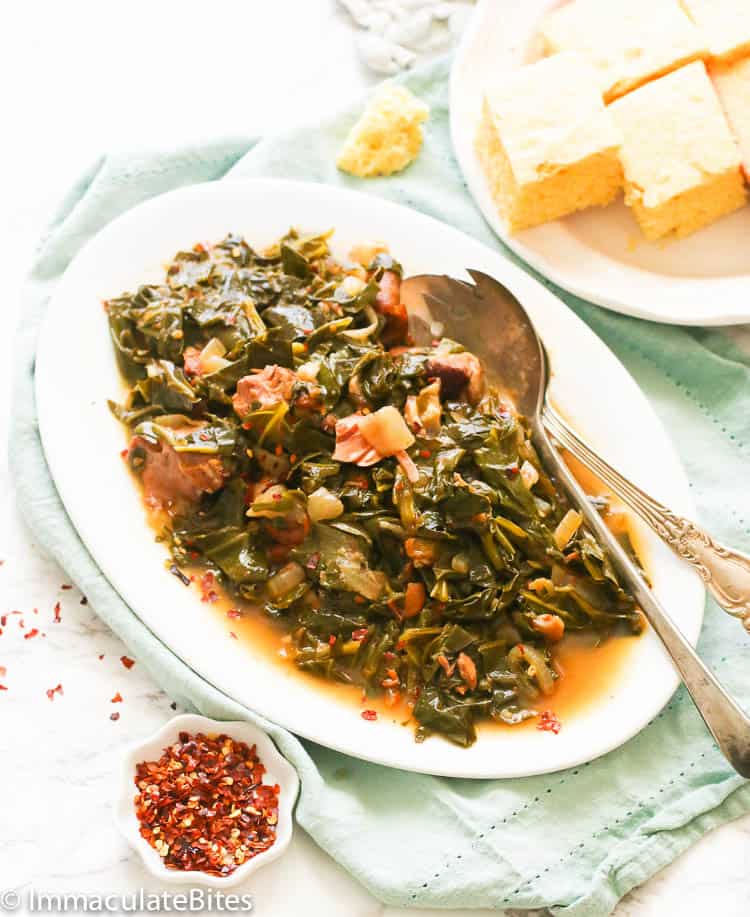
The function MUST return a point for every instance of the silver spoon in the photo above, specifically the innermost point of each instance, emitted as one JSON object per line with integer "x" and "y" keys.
{"x": 489, "y": 321}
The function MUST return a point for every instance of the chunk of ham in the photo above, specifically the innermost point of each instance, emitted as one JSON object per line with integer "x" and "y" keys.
{"x": 365, "y": 439}
{"x": 263, "y": 388}
{"x": 460, "y": 374}
{"x": 171, "y": 479}
{"x": 388, "y": 304}
{"x": 191, "y": 357}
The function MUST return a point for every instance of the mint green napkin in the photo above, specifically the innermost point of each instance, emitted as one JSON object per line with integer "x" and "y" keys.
{"x": 575, "y": 841}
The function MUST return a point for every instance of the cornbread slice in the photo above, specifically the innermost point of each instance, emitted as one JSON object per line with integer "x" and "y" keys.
{"x": 388, "y": 135}
{"x": 732, "y": 82}
{"x": 547, "y": 144}
{"x": 682, "y": 167}
{"x": 628, "y": 41}
{"x": 725, "y": 25}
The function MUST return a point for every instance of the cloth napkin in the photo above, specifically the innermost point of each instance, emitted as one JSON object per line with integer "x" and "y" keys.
{"x": 574, "y": 841}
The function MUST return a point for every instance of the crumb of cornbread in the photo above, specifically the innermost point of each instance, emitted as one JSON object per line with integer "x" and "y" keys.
{"x": 547, "y": 144}
{"x": 682, "y": 167}
{"x": 732, "y": 82}
{"x": 725, "y": 25}
{"x": 629, "y": 42}
{"x": 387, "y": 136}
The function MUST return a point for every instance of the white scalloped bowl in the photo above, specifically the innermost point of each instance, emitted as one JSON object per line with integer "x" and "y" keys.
{"x": 278, "y": 771}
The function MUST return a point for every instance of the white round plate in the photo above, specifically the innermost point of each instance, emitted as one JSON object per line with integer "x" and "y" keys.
{"x": 598, "y": 254}
{"x": 76, "y": 374}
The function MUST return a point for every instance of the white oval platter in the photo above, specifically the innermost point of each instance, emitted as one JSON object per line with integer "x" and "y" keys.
{"x": 76, "y": 374}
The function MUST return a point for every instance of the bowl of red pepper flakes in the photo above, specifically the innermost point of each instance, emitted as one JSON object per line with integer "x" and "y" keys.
{"x": 208, "y": 802}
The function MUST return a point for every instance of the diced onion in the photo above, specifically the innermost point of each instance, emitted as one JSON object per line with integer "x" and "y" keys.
{"x": 567, "y": 527}
{"x": 322, "y": 505}
{"x": 529, "y": 474}
{"x": 308, "y": 372}
{"x": 361, "y": 334}
{"x": 358, "y": 578}
{"x": 289, "y": 577}
{"x": 352, "y": 286}
{"x": 211, "y": 358}
{"x": 461, "y": 563}
{"x": 386, "y": 431}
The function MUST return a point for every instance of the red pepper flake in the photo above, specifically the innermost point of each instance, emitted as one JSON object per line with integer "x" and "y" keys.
{"x": 117, "y": 699}
{"x": 360, "y": 634}
{"x": 247, "y": 425}
{"x": 207, "y": 583}
{"x": 369, "y": 715}
{"x": 234, "y": 613}
{"x": 425, "y": 453}
{"x": 123, "y": 453}
{"x": 511, "y": 471}
{"x": 332, "y": 640}
{"x": 57, "y": 619}
{"x": 127, "y": 662}
{"x": 66, "y": 586}
{"x": 114, "y": 716}
{"x": 3, "y": 688}
{"x": 388, "y": 655}
{"x": 3, "y": 620}
{"x": 233, "y": 635}
{"x": 101, "y": 656}
{"x": 3, "y": 671}
{"x": 52, "y": 691}
{"x": 278, "y": 450}
{"x": 32, "y": 633}
{"x": 548, "y": 722}
{"x": 203, "y": 805}
{"x": 35, "y": 610}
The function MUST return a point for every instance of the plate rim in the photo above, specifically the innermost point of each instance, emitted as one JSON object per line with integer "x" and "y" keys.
{"x": 738, "y": 313}
{"x": 45, "y": 400}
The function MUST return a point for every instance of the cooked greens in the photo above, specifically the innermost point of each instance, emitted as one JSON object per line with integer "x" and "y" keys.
{"x": 379, "y": 501}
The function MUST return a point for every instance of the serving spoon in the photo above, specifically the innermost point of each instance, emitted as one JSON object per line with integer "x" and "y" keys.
{"x": 491, "y": 323}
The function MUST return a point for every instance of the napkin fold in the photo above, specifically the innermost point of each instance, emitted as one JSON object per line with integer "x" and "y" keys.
{"x": 574, "y": 841}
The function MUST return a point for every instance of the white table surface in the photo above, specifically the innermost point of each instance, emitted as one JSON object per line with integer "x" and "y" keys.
{"x": 80, "y": 78}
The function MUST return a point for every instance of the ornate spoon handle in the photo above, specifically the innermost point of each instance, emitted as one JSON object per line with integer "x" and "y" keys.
{"x": 725, "y": 572}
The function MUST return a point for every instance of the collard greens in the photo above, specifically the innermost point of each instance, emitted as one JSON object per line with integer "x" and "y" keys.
{"x": 439, "y": 577}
